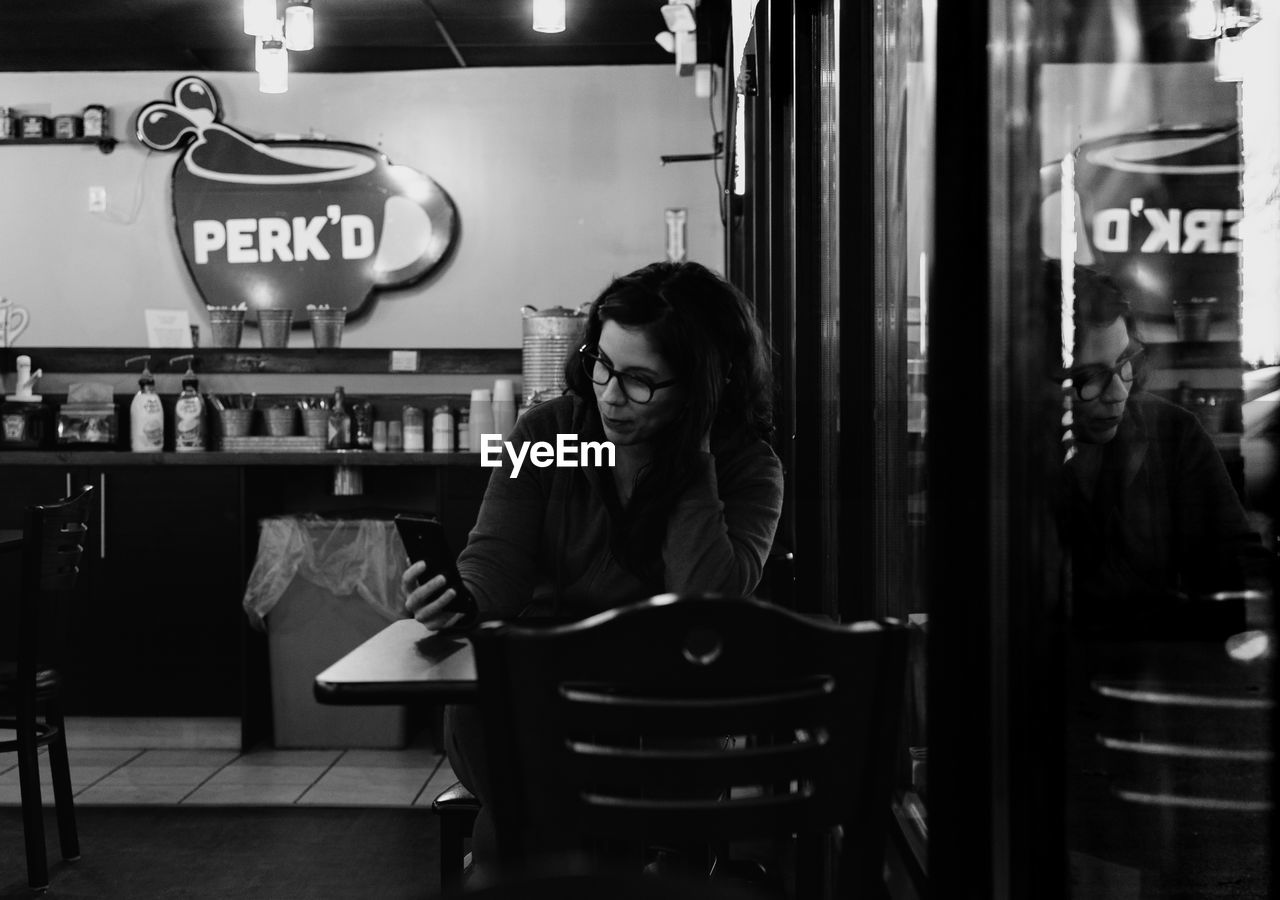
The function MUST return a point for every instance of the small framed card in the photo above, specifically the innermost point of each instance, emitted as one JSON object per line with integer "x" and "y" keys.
{"x": 168, "y": 328}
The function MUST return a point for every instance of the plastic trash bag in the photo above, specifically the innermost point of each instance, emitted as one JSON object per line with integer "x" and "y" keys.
{"x": 360, "y": 557}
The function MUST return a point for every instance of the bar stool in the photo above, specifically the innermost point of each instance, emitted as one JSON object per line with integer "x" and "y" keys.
{"x": 457, "y": 808}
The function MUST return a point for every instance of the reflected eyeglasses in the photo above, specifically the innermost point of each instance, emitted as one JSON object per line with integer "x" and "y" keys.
{"x": 1089, "y": 382}
{"x": 637, "y": 388}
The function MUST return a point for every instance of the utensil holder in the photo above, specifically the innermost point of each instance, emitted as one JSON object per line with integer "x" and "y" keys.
{"x": 236, "y": 422}
{"x": 280, "y": 420}
{"x": 315, "y": 423}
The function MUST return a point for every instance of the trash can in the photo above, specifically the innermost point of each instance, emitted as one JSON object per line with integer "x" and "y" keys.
{"x": 321, "y": 587}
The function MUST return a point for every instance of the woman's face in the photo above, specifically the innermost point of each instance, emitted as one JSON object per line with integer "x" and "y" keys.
{"x": 627, "y": 423}
{"x": 1096, "y": 421}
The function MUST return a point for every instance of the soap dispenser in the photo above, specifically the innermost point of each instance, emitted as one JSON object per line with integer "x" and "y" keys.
{"x": 188, "y": 411}
{"x": 146, "y": 414}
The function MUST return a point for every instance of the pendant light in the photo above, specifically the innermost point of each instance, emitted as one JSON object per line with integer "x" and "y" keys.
{"x": 259, "y": 17}
{"x": 273, "y": 70}
{"x": 299, "y": 25}
{"x": 548, "y": 16}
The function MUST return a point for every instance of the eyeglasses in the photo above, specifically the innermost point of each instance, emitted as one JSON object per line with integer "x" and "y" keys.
{"x": 637, "y": 388}
{"x": 1090, "y": 381}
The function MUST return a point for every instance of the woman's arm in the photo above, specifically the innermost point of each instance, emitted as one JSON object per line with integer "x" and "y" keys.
{"x": 499, "y": 563}
{"x": 722, "y": 528}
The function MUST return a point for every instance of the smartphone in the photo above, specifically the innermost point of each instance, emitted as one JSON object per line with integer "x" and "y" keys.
{"x": 424, "y": 541}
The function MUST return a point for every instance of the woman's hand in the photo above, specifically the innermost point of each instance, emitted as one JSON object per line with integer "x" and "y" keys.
{"x": 427, "y": 602}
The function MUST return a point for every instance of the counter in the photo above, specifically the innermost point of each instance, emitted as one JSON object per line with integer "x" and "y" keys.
{"x": 219, "y": 458}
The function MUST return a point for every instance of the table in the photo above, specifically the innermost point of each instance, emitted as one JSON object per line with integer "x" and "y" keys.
{"x": 10, "y": 540}
{"x": 405, "y": 662}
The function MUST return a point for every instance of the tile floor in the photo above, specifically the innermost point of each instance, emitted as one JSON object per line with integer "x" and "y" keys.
{"x": 116, "y": 775}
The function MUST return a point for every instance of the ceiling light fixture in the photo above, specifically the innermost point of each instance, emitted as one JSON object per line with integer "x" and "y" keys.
{"x": 273, "y": 74}
{"x": 259, "y": 17}
{"x": 548, "y": 16}
{"x": 679, "y": 17}
{"x": 299, "y": 26}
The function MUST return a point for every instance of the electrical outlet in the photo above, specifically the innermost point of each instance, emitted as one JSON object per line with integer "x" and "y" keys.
{"x": 97, "y": 199}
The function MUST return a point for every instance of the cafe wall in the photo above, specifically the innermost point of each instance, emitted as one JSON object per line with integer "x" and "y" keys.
{"x": 555, "y": 174}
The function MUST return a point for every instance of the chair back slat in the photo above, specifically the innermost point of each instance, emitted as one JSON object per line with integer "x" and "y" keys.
{"x": 53, "y": 540}
{"x": 613, "y": 728}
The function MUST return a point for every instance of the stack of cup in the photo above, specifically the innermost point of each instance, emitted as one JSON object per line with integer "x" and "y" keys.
{"x": 481, "y": 418}
{"x": 504, "y": 406}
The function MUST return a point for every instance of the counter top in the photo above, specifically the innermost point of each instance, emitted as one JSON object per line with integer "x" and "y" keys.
{"x": 218, "y": 458}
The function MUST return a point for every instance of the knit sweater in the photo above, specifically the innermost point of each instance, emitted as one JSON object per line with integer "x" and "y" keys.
{"x": 545, "y": 535}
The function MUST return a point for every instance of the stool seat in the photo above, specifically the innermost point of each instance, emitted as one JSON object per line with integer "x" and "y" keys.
{"x": 455, "y": 798}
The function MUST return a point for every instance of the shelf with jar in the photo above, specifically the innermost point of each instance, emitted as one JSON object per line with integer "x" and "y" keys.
{"x": 284, "y": 361}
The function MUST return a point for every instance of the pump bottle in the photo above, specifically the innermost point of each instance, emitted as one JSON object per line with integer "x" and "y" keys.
{"x": 146, "y": 415}
{"x": 188, "y": 411}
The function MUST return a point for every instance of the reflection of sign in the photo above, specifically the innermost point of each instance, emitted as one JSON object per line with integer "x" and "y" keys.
{"x": 1159, "y": 211}
{"x": 292, "y": 223}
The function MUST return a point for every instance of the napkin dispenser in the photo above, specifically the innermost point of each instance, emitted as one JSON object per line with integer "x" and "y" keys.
{"x": 89, "y": 418}
{"x": 24, "y": 418}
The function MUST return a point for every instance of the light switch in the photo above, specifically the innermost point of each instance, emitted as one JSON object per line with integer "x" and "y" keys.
{"x": 97, "y": 199}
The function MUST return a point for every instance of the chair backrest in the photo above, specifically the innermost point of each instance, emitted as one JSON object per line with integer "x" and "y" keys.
{"x": 613, "y": 728}
{"x": 53, "y": 542}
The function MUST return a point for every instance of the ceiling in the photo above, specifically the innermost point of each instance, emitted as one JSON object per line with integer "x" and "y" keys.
{"x": 351, "y": 35}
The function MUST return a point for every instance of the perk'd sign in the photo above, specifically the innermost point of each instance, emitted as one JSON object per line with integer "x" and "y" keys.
{"x": 292, "y": 223}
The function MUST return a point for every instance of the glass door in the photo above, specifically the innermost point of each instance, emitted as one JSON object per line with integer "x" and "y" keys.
{"x": 1104, "y": 364}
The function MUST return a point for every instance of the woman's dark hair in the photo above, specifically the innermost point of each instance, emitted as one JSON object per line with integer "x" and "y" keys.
{"x": 706, "y": 330}
{"x": 1100, "y": 301}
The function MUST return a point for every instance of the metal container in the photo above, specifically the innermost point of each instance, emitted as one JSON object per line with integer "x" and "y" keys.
{"x": 550, "y": 335}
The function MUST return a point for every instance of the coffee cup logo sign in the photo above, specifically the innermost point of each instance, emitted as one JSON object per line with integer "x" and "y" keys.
{"x": 292, "y": 223}
{"x": 1159, "y": 211}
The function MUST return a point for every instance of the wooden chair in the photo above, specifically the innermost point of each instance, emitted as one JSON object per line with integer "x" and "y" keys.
{"x": 52, "y": 544}
{"x": 609, "y": 733}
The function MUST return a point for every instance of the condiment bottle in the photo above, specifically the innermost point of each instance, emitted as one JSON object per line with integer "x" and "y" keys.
{"x": 188, "y": 411}
{"x": 414, "y": 434}
{"x": 441, "y": 430}
{"x": 146, "y": 414}
{"x": 339, "y": 421}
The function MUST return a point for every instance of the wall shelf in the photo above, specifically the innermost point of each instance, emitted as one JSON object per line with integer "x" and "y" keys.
{"x": 262, "y": 361}
{"x": 105, "y": 144}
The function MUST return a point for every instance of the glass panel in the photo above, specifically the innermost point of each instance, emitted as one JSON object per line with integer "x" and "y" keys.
{"x": 905, "y": 166}
{"x": 1159, "y": 242}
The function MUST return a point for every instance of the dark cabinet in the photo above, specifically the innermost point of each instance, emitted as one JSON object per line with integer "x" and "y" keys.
{"x": 163, "y": 615}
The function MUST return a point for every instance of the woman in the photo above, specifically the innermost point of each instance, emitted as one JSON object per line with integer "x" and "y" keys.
{"x": 674, "y": 372}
